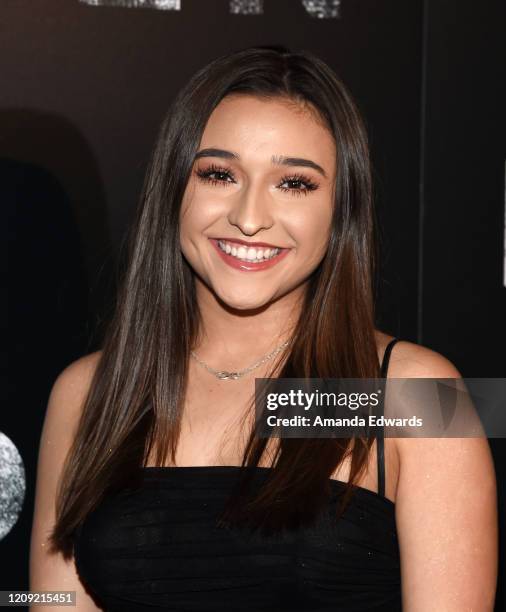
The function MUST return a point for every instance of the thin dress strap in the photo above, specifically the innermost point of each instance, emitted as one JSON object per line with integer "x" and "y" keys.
{"x": 380, "y": 442}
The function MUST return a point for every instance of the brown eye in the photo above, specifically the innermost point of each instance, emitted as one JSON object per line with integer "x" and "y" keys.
{"x": 215, "y": 175}
{"x": 297, "y": 185}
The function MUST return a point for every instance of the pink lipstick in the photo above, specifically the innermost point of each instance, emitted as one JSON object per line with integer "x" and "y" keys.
{"x": 249, "y": 266}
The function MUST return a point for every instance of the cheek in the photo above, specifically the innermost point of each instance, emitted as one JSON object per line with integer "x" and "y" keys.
{"x": 186, "y": 222}
{"x": 311, "y": 230}
{"x": 192, "y": 215}
{"x": 200, "y": 206}
{"x": 189, "y": 224}
{"x": 185, "y": 219}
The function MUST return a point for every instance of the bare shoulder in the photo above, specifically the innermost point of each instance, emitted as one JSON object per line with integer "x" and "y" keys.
{"x": 64, "y": 406}
{"x": 418, "y": 455}
{"x": 72, "y": 384}
{"x": 411, "y": 360}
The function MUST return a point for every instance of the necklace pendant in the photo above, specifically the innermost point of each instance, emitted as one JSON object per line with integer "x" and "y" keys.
{"x": 224, "y": 375}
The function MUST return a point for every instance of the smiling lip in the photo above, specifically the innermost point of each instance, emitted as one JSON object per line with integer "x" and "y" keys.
{"x": 245, "y": 243}
{"x": 249, "y": 266}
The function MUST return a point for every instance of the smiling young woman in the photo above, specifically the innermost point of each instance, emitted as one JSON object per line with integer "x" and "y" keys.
{"x": 252, "y": 255}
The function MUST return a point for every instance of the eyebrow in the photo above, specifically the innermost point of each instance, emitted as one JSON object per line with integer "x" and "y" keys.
{"x": 216, "y": 153}
{"x": 276, "y": 159}
{"x": 297, "y": 161}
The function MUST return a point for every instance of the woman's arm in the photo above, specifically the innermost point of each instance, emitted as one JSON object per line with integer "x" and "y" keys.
{"x": 446, "y": 510}
{"x": 52, "y": 572}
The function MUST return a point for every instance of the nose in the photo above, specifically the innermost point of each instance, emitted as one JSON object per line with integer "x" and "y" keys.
{"x": 251, "y": 210}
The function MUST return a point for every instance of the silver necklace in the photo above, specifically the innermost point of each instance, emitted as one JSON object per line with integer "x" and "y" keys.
{"x": 226, "y": 375}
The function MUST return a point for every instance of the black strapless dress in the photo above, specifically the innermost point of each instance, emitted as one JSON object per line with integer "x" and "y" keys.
{"x": 157, "y": 547}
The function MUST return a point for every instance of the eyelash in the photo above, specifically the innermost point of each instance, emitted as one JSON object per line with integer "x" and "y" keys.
{"x": 205, "y": 176}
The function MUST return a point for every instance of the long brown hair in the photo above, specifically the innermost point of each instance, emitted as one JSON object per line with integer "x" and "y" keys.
{"x": 136, "y": 396}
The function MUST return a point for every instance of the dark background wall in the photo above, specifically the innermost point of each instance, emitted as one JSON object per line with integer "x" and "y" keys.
{"x": 83, "y": 91}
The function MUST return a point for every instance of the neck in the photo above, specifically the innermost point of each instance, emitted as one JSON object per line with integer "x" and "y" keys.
{"x": 231, "y": 338}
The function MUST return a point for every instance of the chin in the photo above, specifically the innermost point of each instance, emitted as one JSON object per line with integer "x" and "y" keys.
{"x": 242, "y": 301}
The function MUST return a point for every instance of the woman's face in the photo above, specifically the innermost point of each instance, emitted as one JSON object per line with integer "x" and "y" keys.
{"x": 255, "y": 218}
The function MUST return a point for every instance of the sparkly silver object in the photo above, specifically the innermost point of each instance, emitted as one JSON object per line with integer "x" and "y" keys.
{"x": 322, "y": 9}
{"x": 226, "y": 375}
{"x": 246, "y": 7}
{"x": 164, "y": 5}
{"x": 12, "y": 485}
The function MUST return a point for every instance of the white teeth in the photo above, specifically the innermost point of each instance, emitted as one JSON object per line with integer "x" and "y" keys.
{"x": 248, "y": 254}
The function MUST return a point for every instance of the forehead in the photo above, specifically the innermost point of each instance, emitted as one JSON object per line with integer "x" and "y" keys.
{"x": 250, "y": 125}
